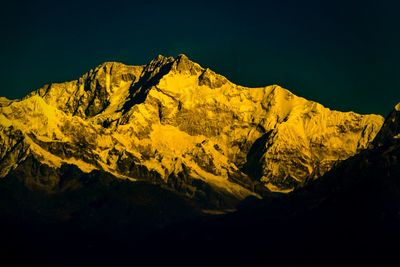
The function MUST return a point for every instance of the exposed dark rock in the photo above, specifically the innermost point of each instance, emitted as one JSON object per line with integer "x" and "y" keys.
{"x": 210, "y": 79}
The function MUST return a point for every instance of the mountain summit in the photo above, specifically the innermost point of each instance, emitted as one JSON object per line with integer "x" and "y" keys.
{"x": 178, "y": 125}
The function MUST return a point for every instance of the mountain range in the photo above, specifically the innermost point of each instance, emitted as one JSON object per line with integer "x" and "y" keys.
{"x": 166, "y": 152}
{"x": 180, "y": 126}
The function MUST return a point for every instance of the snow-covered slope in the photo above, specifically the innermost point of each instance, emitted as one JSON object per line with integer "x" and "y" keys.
{"x": 174, "y": 123}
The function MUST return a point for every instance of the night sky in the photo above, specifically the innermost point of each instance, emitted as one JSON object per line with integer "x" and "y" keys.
{"x": 343, "y": 54}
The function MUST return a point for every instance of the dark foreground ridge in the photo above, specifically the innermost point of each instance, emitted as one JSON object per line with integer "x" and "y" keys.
{"x": 138, "y": 166}
{"x": 350, "y": 216}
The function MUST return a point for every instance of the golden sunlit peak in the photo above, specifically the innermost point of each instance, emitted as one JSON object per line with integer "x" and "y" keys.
{"x": 182, "y": 56}
{"x": 173, "y": 115}
{"x": 162, "y": 58}
{"x": 111, "y": 64}
{"x": 168, "y": 59}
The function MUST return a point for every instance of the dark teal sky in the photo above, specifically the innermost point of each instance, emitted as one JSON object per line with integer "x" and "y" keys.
{"x": 343, "y": 54}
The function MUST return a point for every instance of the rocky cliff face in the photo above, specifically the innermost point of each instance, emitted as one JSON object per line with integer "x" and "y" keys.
{"x": 390, "y": 131}
{"x": 351, "y": 211}
{"x": 365, "y": 186}
{"x": 176, "y": 124}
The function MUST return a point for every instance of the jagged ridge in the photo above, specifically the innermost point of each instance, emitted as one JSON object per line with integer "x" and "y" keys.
{"x": 175, "y": 123}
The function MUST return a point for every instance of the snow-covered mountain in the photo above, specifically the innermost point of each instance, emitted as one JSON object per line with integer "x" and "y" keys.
{"x": 350, "y": 215}
{"x": 181, "y": 126}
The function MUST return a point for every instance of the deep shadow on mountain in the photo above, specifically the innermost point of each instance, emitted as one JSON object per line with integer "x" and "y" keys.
{"x": 85, "y": 221}
{"x": 349, "y": 216}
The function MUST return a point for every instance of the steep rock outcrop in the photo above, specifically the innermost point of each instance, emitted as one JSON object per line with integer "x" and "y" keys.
{"x": 390, "y": 131}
